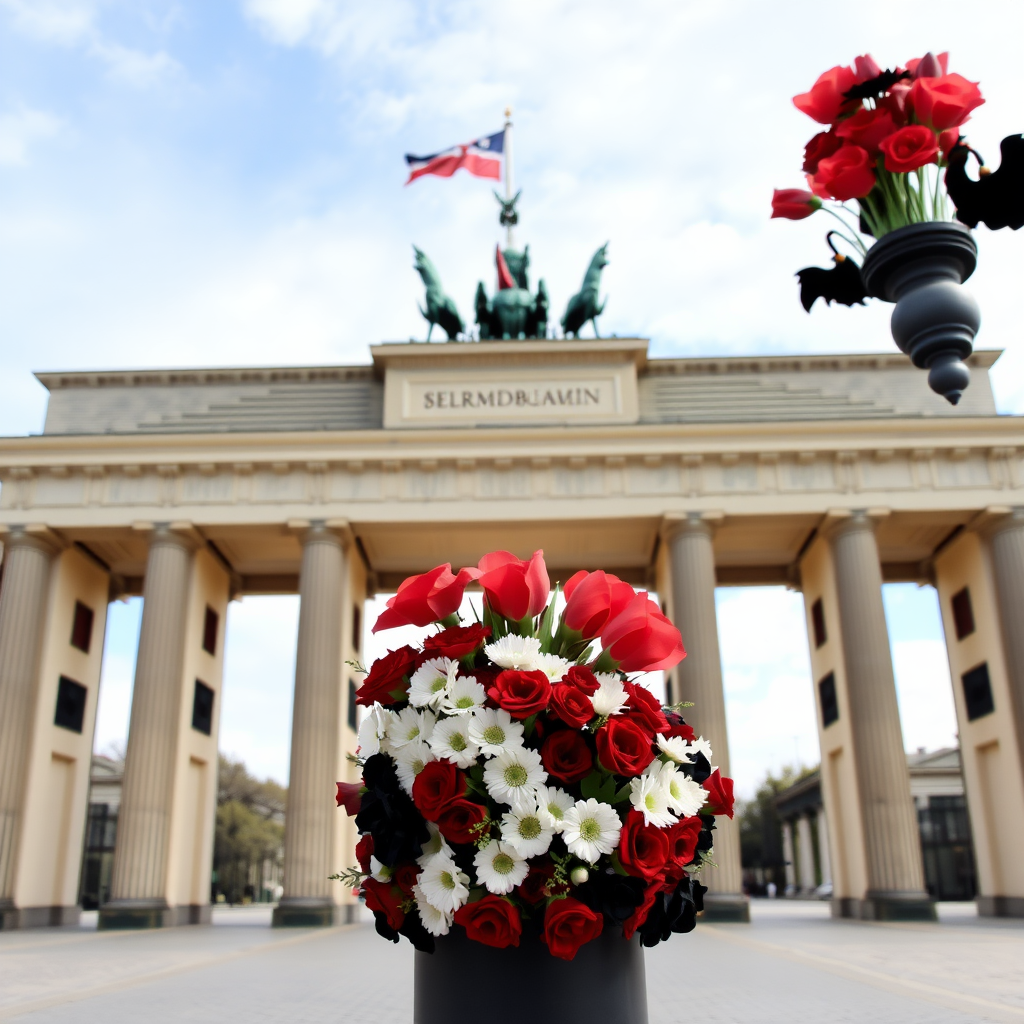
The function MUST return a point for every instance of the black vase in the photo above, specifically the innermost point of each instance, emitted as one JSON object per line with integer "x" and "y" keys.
{"x": 525, "y": 984}
{"x": 921, "y": 268}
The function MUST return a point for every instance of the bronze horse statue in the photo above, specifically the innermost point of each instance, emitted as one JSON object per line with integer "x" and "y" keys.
{"x": 441, "y": 309}
{"x": 583, "y": 306}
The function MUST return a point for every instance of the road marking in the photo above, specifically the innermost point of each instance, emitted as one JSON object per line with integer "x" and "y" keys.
{"x": 879, "y": 979}
{"x": 34, "y": 1005}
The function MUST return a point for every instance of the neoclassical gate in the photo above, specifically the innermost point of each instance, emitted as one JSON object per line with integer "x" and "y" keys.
{"x": 830, "y": 474}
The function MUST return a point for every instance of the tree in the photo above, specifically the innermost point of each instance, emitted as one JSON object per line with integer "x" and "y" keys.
{"x": 249, "y": 830}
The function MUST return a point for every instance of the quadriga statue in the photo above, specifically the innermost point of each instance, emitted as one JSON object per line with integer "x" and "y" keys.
{"x": 583, "y": 306}
{"x": 441, "y": 309}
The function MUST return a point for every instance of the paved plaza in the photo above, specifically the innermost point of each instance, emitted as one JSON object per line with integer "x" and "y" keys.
{"x": 792, "y": 964}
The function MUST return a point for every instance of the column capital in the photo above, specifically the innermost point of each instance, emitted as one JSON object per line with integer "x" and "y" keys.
{"x": 703, "y": 523}
{"x": 32, "y": 535}
{"x": 840, "y": 521}
{"x": 178, "y": 533}
{"x": 998, "y": 519}
{"x": 312, "y": 530}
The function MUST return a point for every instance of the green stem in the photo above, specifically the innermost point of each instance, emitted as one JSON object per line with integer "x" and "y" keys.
{"x": 855, "y": 241}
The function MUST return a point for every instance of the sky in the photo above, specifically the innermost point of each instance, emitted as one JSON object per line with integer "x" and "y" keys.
{"x": 194, "y": 183}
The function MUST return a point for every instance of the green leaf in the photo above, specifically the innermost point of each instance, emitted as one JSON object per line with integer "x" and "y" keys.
{"x": 476, "y": 773}
{"x": 525, "y": 626}
{"x": 598, "y": 785}
{"x": 623, "y": 794}
{"x": 617, "y": 864}
{"x": 528, "y": 725}
{"x": 546, "y": 621}
{"x": 606, "y": 663}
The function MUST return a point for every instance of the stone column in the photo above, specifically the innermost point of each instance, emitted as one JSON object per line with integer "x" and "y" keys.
{"x": 23, "y": 602}
{"x": 806, "y": 856}
{"x": 310, "y": 818}
{"x": 691, "y": 561}
{"x": 1007, "y": 541}
{"x": 139, "y": 885}
{"x": 787, "y": 856}
{"x": 824, "y": 858}
{"x": 895, "y": 874}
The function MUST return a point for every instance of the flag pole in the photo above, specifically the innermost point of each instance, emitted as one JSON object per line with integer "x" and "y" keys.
{"x": 507, "y": 147}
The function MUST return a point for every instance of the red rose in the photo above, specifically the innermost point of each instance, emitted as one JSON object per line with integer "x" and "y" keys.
{"x": 513, "y": 588}
{"x": 825, "y": 102}
{"x": 456, "y": 641}
{"x": 521, "y": 694}
{"x": 642, "y": 639}
{"x": 623, "y": 747}
{"x": 643, "y": 849}
{"x": 591, "y": 599}
{"x": 637, "y": 918}
{"x": 364, "y": 850}
{"x": 910, "y": 148}
{"x": 568, "y": 924}
{"x": 456, "y": 821}
{"x": 424, "y": 599}
{"x": 720, "y": 799}
{"x": 491, "y": 920}
{"x": 848, "y": 174}
{"x": 534, "y": 887}
{"x": 405, "y": 876}
{"x": 435, "y": 787}
{"x": 350, "y": 795}
{"x": 867, "y": 128}
{"x": 945, "y": 101}
{"x": 682, "y": 841}
{"x": 583, "y": 679}
{"x": 385, "y": 898}
{"x": 677, "y": 727}
{"x": 821, "y": 145}
{"x": 387, "y": 681}
{"x": 566, "y": 756}
{"x": 644, "y": 707}
{"x": 572, "y": 706}
{"x": 794, "y": 203}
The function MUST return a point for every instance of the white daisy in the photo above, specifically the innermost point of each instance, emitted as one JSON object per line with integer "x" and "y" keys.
{"x": 494, "y": 730}
{"x": 513, "y": 651}
{"x": 552, "y": 666}
{"x": 674, "y": 747}
{"x": 700, "y": 746}
{"x": 463, "y": 695}
{"x": 684, "y": 796}
{"x": 437, "y": 922}
{"x": 450, "y": 739}
{"x": 513, "y": 775}
{"x": 408, "y": 725}
{"x": 591, "y": 829}
{"x": 611, "y": 696}
{"x": 429, "y": 682}
{"x": 524, "y": 831}
{"x": 649, "y": 795}
{"x": 373, "y": 731}
{"x": 433, "y": 847}
{"x": 552, "y": 803}
{"x": 499, "y": 868}
{"x": 443, "y": 885}
{"x": 409, "y": 761}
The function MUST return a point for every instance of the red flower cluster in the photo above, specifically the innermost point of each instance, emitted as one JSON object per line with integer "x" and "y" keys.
{"x": 879, "y": 121}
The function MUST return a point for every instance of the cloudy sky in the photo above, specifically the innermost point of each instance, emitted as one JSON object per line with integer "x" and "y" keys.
{"x": 195, "y": 183}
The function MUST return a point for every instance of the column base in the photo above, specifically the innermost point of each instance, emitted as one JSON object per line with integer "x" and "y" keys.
{"x": 885, "y": 907}
{"x": 12, "y": 917}
{"x": 728, "y": 907}
{"x": 300, "y": 913}
{"x": 1000, "y": 906}
{"x": 138, "y": 914}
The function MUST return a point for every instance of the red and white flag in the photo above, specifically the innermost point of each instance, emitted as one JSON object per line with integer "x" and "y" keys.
{"x": 481, "y": 157}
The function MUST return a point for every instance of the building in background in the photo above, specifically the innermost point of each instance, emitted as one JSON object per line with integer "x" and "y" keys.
{"x": 937, "y": 789}
{"x": 100, "y": 831}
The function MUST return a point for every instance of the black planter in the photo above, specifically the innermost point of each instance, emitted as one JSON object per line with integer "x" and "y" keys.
{"x": 525, "y": 984}
{"x": 921, "y": 268}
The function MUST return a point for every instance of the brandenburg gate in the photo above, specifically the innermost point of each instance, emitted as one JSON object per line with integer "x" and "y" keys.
{"x": 830, "y": 474}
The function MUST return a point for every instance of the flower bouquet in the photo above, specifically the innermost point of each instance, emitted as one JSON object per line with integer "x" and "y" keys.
{"x": 519, "y": 785}
{"x": 891, "y": 156}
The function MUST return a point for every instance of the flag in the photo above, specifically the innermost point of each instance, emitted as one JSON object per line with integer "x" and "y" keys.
{"x": 481, "y": 157}
{"x": 505, "y": 279}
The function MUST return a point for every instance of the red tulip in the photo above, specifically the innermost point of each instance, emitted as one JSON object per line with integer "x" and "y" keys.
{"x": 514, "y": 588}
{"x": 794, "y": 203}
{"x": 825, "y": 101}
{"x": 591, "y": 599}
{"x": 424, "y": 599}
{"x": 642, "y": 639}
{"x": 929, "y": 66}
{"x": 866, "y": 68}
{"x": 350, "y": 797}
{"x": 944, "y": 102}
{"x": 848, "y": 174}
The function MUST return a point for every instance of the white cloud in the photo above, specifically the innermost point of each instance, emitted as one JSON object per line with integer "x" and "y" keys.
{"x": 925, "y": 694}
{"x": 59, "y": 21}
{"x": 20, "y": 130}
{"x": 135, "y": 67}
